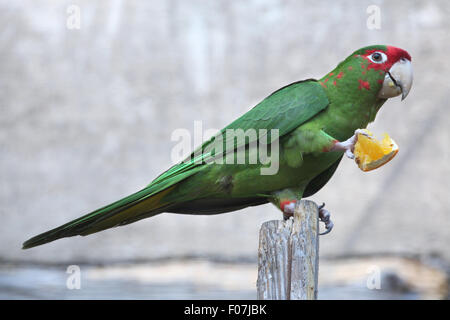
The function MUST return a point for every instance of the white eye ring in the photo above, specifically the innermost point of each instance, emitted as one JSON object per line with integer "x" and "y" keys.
{"x": 378, "y": 57}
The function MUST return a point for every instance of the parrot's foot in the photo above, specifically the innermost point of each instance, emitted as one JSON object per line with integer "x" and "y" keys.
{"x": 324, "y": 216}
{"x": 288, "y": 208}
{"x": 349, "y": 145}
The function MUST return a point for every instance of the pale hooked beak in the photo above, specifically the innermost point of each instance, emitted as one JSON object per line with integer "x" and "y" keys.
{"x": 398, "y": 80}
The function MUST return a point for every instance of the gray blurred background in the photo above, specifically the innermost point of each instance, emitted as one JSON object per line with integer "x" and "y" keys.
{"x": 87, "y": 116}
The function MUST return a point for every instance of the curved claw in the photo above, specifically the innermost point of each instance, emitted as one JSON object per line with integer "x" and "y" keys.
{"x": 362, "y": 132}
{"x": 324, "y": 216}
{"x": 349, "y": 153}
{"x": 329, "y": 226}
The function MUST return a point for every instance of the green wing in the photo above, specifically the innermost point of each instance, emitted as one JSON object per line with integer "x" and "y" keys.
{"x": 285, "y": 109}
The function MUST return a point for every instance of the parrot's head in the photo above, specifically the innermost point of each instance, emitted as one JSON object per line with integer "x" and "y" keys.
{"x": 394, "y": 63}
{"x": 381, "y": 71}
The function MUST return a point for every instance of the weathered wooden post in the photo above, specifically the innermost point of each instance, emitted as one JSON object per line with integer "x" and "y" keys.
{"x": 288, "y": 256}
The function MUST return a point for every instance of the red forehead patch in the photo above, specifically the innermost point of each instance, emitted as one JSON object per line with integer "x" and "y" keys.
{"x": 393, "y": 55}
{"x": 397, "y": 53}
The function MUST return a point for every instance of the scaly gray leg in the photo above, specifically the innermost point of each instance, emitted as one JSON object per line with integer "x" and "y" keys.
{"x": 325, "y": 216}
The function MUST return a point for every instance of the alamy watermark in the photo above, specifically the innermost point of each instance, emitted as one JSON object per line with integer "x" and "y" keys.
{"x": 73, "y": 17}
{"x": 374, "y": 19}
{"x": 374, "y": 278}
{"x": 74, "y": 279}
{"x": 229, "y": 146}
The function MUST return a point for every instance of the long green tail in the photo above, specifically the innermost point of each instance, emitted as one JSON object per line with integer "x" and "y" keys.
{"x": 142, "y": 204}
{"x": 139, "y": 205}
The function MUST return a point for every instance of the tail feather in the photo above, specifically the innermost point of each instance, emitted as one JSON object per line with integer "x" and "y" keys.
{"x": 139, "y": 205}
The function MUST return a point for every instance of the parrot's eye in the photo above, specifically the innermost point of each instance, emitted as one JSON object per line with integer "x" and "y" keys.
{"x": 377, "y": 57}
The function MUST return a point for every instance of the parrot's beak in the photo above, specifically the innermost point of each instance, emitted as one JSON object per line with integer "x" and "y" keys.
{"x": 398, "y": 80}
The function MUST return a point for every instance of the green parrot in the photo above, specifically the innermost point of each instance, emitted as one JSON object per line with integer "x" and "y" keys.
{"x": 312, "y": 122}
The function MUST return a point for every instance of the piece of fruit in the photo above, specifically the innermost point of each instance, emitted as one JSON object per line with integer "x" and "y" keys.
{"x": 371, "y": 153}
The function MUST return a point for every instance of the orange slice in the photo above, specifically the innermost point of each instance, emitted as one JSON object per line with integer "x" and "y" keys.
{"x": 371, "y": 153}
